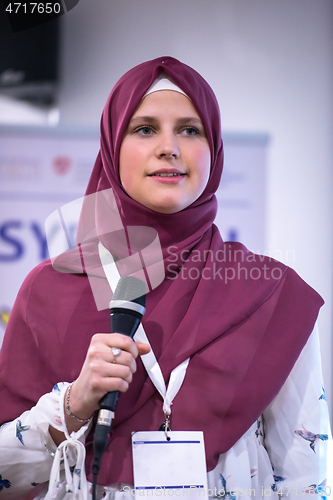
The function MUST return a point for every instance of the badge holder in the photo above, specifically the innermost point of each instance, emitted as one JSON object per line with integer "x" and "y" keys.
{"x": 169, "y": 463}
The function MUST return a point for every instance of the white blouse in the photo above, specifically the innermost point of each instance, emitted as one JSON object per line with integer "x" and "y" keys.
{"x": 288, "y": 452}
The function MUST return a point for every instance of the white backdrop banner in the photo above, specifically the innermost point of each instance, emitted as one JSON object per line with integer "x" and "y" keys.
{"x": 43, "y": 169}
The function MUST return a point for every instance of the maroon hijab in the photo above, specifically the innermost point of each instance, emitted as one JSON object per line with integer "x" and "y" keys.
{"x": 243, "y": 319}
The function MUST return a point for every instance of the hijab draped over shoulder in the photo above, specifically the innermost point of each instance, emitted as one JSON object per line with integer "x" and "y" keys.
{"x": 243, "y": 319}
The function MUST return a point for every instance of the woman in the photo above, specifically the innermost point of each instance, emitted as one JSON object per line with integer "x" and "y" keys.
{"x": 241, "y": 319}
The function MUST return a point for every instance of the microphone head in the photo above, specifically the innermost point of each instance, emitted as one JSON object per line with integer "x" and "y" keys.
{"x": 130, "y": 289}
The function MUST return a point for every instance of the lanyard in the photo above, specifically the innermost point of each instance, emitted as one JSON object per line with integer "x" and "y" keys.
{"x": 149, "y": 360}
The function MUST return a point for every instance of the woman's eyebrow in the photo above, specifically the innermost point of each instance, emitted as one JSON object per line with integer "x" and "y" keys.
{"x": 147, "y": 119}
{"x": 153, "y": 119}
{"x": 190, "y": 119}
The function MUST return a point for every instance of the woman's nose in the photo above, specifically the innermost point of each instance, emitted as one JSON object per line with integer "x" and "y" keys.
{"x": 168, "y": 145}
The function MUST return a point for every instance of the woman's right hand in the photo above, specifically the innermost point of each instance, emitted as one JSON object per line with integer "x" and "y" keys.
{"x": 101, "y": 372}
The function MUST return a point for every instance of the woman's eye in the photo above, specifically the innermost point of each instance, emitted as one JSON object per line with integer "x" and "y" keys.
{"x": 145, "y": 130}
{"x": 191, "y": 131}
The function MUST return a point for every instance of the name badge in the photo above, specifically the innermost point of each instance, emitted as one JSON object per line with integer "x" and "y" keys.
{"x": 172, "y": 465}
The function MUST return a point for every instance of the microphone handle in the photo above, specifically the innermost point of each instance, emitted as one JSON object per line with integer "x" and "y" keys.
{"x": 127, "y": 324}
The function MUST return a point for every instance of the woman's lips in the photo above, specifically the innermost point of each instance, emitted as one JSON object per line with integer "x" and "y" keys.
{"x": 166, "y": 174}
{"x": 170, "y": 177}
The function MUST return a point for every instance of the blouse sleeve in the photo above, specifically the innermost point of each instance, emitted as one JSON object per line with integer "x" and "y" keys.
{"x": 28, "y": 455}
{"x": 297, "y": 430}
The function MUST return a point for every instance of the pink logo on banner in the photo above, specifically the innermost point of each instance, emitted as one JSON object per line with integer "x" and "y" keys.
{"x": 62, "y": 164}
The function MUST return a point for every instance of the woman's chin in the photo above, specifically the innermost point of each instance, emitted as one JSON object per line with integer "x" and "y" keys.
{"x": 167, "y": 208}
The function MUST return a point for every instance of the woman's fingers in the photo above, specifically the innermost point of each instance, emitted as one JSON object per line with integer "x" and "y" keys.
{"x": 109, "y": 366}
{"x": 118, "y": 349}
{"x": 142, "y": 348}
{"x": 117, "y": 340}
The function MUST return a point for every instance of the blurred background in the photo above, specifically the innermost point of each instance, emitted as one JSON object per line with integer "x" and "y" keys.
{"x": 270, "y": 63}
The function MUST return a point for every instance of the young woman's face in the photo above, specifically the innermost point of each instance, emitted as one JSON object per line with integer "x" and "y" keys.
{"x": 165, "y": 159}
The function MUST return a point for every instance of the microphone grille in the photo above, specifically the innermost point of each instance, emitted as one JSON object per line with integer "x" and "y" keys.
{"x": 131, "y": 289}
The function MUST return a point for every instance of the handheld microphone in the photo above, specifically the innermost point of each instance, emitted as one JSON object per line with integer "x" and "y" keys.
{"x": 126, "y": 310}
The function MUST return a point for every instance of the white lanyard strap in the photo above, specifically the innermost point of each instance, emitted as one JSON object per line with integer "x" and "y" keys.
{"x": 149, "y": 360}
{"x": 155, "y": 373}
